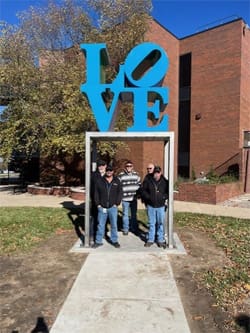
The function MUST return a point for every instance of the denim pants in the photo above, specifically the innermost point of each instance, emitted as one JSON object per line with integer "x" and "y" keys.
{"x": 156, "y": 219}
{"x": 132, "y": 206}
{"x": 103, "y": 215}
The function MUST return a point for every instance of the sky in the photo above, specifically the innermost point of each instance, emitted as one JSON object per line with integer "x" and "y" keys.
{"x": 180, "y": 17}
{"x": 184, "y": 18}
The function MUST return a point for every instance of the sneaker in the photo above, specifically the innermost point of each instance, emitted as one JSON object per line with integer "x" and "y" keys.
{"x": 148, "y": 244}
{"x": 116, "y": 245}
{"x": 96, "y": 245}
{"x": 125, "y": 233}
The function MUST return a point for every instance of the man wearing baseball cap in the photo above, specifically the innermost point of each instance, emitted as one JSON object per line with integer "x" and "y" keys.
{"x": 155, "y": 193}
{"x": 107, "y": 196}
{"x": 98, "y": 174}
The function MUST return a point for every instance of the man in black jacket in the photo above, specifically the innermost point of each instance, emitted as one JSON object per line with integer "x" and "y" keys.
{"x": 154, "y": 194}
{"x": 98, "y": 174}
{"x": 107, "y": 196}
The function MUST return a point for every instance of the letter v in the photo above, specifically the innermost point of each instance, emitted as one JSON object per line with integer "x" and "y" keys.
{"x": 103, "y": 116}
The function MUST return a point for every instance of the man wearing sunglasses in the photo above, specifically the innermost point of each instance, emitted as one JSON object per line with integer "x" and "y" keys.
{"x": 150, "y": 169}
{"x": 131, "y": 183}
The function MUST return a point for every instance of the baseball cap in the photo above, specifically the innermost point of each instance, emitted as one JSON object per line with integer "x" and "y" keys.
{"x": 109, "y": 168}
{"x": 101, "y": 162}
{"x": 157, "y": 169}
{"x": 129, "y": 163}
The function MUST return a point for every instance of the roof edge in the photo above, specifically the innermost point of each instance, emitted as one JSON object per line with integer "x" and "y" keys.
{"x": 214, "y": 27}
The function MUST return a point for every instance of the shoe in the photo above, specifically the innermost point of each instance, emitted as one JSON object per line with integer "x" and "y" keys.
{"x": 148, "y": 244}
{"x": 116, "y": 245}
{"x": 161, "y": 244}
{"x": 96, "y": 245}
{"x": 125, "y": 233}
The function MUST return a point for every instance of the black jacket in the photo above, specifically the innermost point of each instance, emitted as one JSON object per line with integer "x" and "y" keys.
{"x": 154, "y": 193}
{"x": 108, "y": 194}
{"x": 94, "y": 178}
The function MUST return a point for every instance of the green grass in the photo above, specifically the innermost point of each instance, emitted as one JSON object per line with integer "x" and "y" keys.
{"x": 228, "y": 284}
{"x": 23, "y": 228}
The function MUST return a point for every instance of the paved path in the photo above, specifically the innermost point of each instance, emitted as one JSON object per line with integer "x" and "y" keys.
{"x": 235, "y": 207}
{"x": 127, "y": 290}
{"x": 125, "y": 293}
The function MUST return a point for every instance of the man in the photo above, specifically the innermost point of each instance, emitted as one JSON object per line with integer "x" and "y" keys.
{"x": 98, "y": 174}
{"x": 131, "y": 183}
{"x": 155, "y": 193}
{"x": 150, "y": 169}
{"x": 107, "y": 196}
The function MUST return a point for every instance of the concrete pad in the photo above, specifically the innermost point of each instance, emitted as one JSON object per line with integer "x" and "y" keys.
{"x": 125, "y": 293}
{"x": 130, "y": 243}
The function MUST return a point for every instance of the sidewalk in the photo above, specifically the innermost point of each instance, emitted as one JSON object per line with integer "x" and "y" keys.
{"x": 238, "y": 207}
{"x": 125, "y": 293}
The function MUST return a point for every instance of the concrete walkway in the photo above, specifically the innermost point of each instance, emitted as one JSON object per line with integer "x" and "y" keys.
{"x": 238, "y": 207}
{"x": 125, "y": 293}
{"x": 241, "y": 208}
{"x": 126, "y": 290}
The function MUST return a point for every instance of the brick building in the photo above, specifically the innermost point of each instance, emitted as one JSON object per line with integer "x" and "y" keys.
{"x": 209, "y": 101}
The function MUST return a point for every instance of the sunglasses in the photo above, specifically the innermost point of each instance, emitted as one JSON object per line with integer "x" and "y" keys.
{"x": 129, "y": 166}
{"x": 149, "y": 168}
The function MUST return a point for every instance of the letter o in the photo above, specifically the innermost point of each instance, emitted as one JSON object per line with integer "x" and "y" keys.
{"x": 146, "y": 65}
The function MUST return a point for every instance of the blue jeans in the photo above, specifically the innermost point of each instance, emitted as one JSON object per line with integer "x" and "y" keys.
{"x": 132, "y": 205}
{"x": 103, "y": 215}
{"x": 156, "y": 219}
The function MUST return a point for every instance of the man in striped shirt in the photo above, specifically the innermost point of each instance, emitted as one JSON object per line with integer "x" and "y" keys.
{"x": 131, "y": 183}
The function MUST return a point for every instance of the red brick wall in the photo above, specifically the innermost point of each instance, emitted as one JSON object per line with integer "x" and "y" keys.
{"x": 215, "y": 94}
{"x": 142, "y": 153}
{"x": 161, "y": 36}
{"x": 220, "y": 92}
{"x": 245, "y": 97}
{"x": 209, "y": 194}
{"x": 134, "y": 152}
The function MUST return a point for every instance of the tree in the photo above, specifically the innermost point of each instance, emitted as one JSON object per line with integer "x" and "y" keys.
{"x": 44, "y": 68}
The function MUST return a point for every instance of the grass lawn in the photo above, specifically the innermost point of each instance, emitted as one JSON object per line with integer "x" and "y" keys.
{"x": 231, "y": 283}
{"x": 22, "y": 228}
